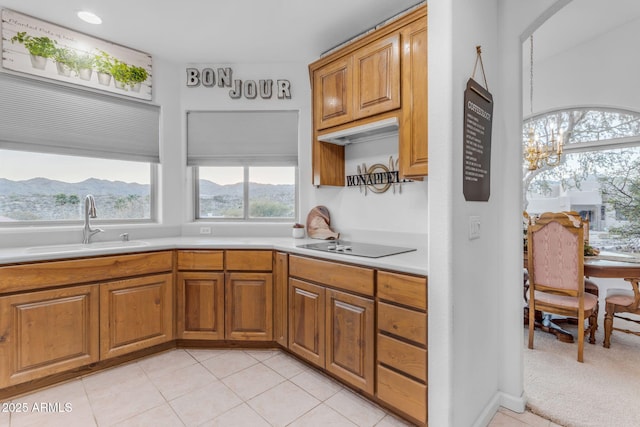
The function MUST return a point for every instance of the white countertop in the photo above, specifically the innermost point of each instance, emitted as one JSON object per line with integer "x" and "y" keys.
{"x": 410, "y": 262}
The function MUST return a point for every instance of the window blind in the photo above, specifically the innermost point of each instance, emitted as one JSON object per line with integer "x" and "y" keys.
{"x": 40, "y": 116}
{"x": 216, "y": 138}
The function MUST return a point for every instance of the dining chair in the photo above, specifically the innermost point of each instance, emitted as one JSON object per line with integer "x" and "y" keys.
{"x": 556, "y": 273}
{"x": 620, "y": 301}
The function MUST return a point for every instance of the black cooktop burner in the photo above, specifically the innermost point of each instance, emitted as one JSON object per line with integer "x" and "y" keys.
{"x": 368, "y": 250}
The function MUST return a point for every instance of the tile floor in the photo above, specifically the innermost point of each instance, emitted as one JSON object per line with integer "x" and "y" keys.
{"x": 205, "y": 387}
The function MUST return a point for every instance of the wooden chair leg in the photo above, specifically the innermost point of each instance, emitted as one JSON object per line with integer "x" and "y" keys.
{"x": 593, "y": 326}
{"x": 580, "y": 337}
{"x": 608, "y": 325}
{"x": 532, "y": 324}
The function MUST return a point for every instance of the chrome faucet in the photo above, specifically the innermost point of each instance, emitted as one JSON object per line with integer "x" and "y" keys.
{"x": 89, "y": 212}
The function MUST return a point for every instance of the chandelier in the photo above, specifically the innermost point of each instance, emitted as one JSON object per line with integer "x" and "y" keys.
{"x": 539, "y": 153}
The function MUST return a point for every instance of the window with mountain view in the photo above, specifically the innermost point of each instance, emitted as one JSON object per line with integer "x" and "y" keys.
{"x": 39, "y": 187}
{"x": 598, "y": 176}
{"x": 246, "y": 192}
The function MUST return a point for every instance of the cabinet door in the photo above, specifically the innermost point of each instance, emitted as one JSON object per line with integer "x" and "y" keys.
{"x": 333, "y": 93}
{"x": 135, "y": 314}
{"x": 249, "y": 306}
{"x": 350, "y": 339}
{"x": 200, "y": 305}
{"x": 47, "y": 332}
{"x": 307, "y": 321}
{"x": 413, "y": 132}
{"x": 376, "y": 76}
{"x": 280, "y": 306}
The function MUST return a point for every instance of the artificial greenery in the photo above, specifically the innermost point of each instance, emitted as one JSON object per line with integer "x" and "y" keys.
{"x": 120, "y": 71}
{"x": 37, "y": 46}
{"x": 137, "y": 74}
{"x": 65, "y": 56}
{"x": 84, "y": 61}
{"x": 104, "y": 62}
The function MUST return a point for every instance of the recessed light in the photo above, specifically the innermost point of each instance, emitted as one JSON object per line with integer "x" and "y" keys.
{"x": 89, "y": 17}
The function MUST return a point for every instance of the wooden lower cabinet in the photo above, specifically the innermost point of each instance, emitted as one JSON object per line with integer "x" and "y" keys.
{"x": 402, "y": 343}
{"x": 403, "y": 393}
{"x": 280, "y": 300}
{"x": 333, "y": 330}
{"x": 307, "y": 321}
{"x": 200, "y": 306}
{"x": 350, "y": 339}
{"x": 135, "y": 314}
{"x": 249, "y": 306}
{"x": 48, "y": 332}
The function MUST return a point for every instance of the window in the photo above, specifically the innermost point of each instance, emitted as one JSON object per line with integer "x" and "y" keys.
{"x": 37, "y": 187}
{"x": 59, "y": 143}
{"x": 599, "y": 173}
{"x": 245, "y": 164}
{"x": 246, "y": 193}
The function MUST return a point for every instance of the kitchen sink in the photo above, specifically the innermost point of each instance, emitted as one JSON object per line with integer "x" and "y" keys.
{"x": 77, "y": 247}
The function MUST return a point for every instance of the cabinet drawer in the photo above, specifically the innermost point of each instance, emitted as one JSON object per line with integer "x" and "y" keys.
{"x": 57, "y": 273}
{"x": 403, "y": 322}
{"x": 200, "y": 260}
{"x": 249, "y": 260}
{"x": 404, "y": 357}
{"x": 403, "y": 393}
{"x": 342, "y": 276}
{"x": 403, "y": 289}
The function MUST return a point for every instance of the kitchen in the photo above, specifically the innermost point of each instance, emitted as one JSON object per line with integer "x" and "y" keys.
{"x": 358, "y": 217}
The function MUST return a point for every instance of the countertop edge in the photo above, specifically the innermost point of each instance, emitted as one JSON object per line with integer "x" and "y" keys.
{"x": 411, "y": 262}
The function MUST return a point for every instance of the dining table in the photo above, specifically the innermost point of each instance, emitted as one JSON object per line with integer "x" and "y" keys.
{"x": 602, "y": 266}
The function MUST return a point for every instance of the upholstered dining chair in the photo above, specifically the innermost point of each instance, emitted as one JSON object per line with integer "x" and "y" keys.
{"x": 556, "y": 273}
{"x": 620, "y": 301}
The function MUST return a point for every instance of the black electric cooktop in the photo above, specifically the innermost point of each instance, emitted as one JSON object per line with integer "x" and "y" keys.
{"x": 368, "y": 250}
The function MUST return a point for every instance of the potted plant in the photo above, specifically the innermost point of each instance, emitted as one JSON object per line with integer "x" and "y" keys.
{"x": 40, "y": 48}
{"x": 83, "y": 66}
{"x": 137, "y": 76}
{"x": 121, "y": 73}
{"x": 103, "y": 63}
{"x": 298, "y": 231}
{"x": 65, "y": 60}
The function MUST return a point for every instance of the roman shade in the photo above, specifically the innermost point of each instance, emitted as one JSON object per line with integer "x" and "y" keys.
{"x": 40, "y": 116}
{"x": 216, "y": 138}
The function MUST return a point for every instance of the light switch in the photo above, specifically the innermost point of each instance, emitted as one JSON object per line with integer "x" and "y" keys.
{"x": 474, "y": 227}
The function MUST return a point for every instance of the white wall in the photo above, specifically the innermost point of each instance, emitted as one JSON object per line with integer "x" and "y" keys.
{"x": 475, "y": 302}
{"x": 602, "y": 71}
{"x": 397, "y": 217}
{"x": 463, "y": 274}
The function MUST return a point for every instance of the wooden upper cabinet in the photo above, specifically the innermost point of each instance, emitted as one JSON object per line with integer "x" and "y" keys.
{"x": 413, "y": 138}
{"x": 333, "y": 93}
{"x": 380, "y": 75}
{"x": 376, "y": 77}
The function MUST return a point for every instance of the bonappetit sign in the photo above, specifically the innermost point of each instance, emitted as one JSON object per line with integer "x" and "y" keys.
{"x": 222, "y": 78}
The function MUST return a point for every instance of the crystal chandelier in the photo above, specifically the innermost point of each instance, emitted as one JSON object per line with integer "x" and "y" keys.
{"x": 538, "y": 153}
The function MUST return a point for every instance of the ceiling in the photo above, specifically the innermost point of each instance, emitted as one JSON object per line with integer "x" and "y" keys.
{"x": 579, "y": 22}
{"x": 232, "y": 31}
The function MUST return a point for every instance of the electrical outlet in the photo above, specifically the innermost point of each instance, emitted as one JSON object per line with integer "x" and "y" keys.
{"x": 474, "y": 227}
{"x": 205, "y": 230}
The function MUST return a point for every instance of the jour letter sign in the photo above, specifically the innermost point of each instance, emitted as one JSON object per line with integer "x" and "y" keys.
{"x": 476, "y": 157}
{"x": 250, "y": 89}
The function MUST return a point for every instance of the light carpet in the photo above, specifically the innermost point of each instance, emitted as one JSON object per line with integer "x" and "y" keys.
{"x": 601, "y": 392}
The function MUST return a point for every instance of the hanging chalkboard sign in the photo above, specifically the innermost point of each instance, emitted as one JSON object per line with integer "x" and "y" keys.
{"x": 476, "y": 157}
